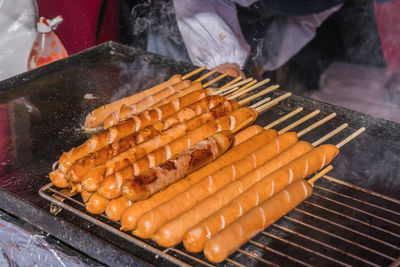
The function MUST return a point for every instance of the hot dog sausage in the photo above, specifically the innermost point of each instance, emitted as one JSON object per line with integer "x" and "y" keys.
{"x": 131, "y": 215}
{"x": 96, "y": 204}
{"x": 126, "y": 112}
{"x": 251, "y": 130}
{"x": 149, "y": 222}
{"x": 97, "y": 116}
{"x": 297, "y": 169}
{"x": 236, "y": 234}
{"x": 172, "y": 170}
{"x": 57, "y": 177}
{"x": 83, "y": 165}
{"x": 115, "y": 208}
{"x": 172, "y": 232}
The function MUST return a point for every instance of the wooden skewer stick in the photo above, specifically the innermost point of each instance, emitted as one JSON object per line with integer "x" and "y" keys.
{"x": 287, "y": 116}
{"x": 249, "y": 89}
{"x": 294, "y": 124}
{"x": 255, "y": 86}
{"x": 261, "y": 102}
{"x": 223, "y": 75}
{"x": 265, "y": 107}
{"x": 232, "y": 92}
{"x": 329, "y": 135}
{"x": 350, "y": 137}
{"x": 265, "y": 100}
{"x": 235, "y": 85}
{"x": 190, "y": 74}
{"x": 227, "y": 92}
{"x": 230, "y": 83}
{"x": 319, "y": 175}
{"x": 242, "y": 125}
{"x": 282, "y": 119}
{"x": 254, "y": 82}
{"x": 211, "y": 72}
{"x": 315, "y": 125}
{"x": 263, "y": 92}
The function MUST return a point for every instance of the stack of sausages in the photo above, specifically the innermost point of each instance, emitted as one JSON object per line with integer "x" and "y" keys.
{"x": 168, "y": 167}
{"x": 151, "y": 132}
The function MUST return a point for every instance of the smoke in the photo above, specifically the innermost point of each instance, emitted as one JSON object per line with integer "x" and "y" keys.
{"x": 138, "y": 76}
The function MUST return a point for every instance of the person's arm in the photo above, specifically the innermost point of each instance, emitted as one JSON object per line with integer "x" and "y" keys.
{"x": 212, "y": 35}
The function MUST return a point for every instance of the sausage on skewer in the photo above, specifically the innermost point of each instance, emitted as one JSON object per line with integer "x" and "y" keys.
{"x": 237, "y": 233}
{"x": 97, "y": 116}
{"x": 115, "y": 208}
{"x": 96, "y": 204}
{"x": 126, "y": 112}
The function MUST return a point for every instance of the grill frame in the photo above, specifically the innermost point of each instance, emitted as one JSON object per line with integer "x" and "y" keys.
{"x": 147, "y": 245}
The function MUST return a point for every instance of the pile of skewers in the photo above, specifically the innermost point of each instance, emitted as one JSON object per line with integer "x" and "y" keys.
{"x": 179, "y": 163}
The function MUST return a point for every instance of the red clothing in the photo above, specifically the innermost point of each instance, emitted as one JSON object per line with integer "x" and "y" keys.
{"x": 79, "y": 31}
{"x": 388, "y": 22}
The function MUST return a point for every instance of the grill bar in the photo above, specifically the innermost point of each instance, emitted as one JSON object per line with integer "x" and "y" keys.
{"x": 279, "y": 253}
{"x": 339, "y": 237}
{"x": 358, "y": 200}
{"x": 347, "y": 228}
{"x": 284, "y": 243}
{"x": 304, "y": 248}
{"x": 362, "y": 211}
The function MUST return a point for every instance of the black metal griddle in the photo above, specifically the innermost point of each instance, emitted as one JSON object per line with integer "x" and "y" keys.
{"x": 340, "y": 224}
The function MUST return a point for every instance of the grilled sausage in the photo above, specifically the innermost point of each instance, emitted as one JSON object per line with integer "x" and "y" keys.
{"x": 172, "y": 170}
{"x": 243, "y": 134}
{"x": 126, "y": 112}
{"x": 172, "y": 232}
{"x": 97, "y": 116}
{"x": 130, "y": 216}
{"x": 149, "y": 222}
{"x": 115, "y": 208}
{"x": 57, "y": 177}
{"x": 252, "y": 222}
{"x": 96, "y": 204}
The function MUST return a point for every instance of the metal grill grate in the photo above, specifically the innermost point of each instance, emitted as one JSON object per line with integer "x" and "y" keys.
{"x": 340, "y": 224}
